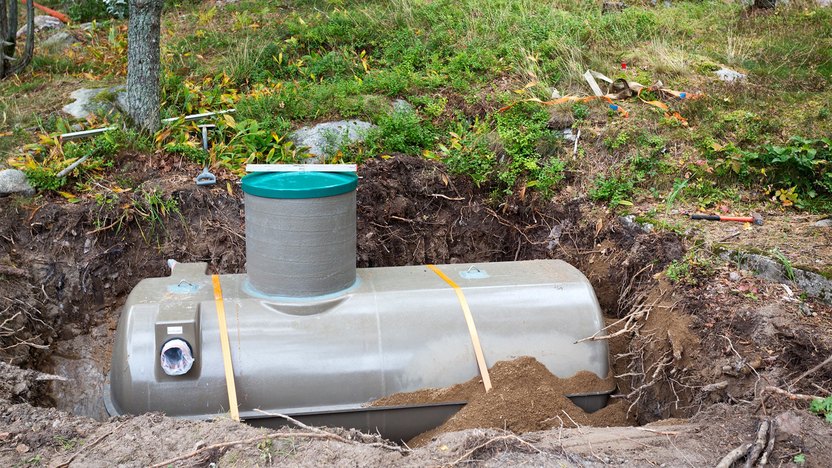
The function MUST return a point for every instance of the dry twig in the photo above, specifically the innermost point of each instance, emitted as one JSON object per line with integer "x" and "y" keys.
{"x": 790, "y": 395}
{"x": 485, "y": 444}
{"x": 810, "y": 371}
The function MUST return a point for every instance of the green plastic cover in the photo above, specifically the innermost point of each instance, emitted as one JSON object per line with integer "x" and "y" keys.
{"x": 299, "y": 184}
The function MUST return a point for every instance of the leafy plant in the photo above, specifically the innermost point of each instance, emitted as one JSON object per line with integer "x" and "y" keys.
{"x": 822, "y": 407}
{"x": 580, "y": 111}
{"x": 613, "y": 189}
{"x": 42, "y": 162}
{"x": 469, "y": 153}
{"x": 804, "y": 164}
{"x": 236, "y": 143}
{"x": 402, "y": 131}
{"x": 521, "y": 129}
{"x": 83, "y": 11}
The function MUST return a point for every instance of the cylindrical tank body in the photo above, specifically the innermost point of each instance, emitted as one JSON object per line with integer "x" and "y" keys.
{"x": 300, "y": 232}
{"x": 400, "y": 329}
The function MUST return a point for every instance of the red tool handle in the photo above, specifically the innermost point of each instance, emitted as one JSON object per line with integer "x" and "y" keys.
{"x": 50, "y": 12}
{"x": 741, "y": 219}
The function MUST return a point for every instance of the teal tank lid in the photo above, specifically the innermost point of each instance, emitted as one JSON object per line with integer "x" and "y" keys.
{"x": 299, "y": 184}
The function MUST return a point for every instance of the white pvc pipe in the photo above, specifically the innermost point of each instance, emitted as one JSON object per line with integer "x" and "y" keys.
{"x": 97, "y": 131}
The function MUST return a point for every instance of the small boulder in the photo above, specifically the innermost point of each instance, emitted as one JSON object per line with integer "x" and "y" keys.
{"x": 612, "y": 7}
{"x": 826, "y": 222}
{"x": 60, "y": 40}
{"x": 400, "y": 105}
{"x": 325, "y": 138}
{"x": 14, "y": 181}
{"x": 42, "y": 23}
{"x": 95, "y": 101}
{"x": 726, "y": 74}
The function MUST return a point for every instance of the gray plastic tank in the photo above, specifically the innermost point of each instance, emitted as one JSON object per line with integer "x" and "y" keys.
{"x": 322, "y": 358}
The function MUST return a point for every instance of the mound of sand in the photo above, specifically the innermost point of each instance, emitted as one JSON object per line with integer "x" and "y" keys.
{"x": 525, "y": 397}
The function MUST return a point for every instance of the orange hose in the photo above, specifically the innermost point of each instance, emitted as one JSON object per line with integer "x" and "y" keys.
{"x": 50, "y": 12}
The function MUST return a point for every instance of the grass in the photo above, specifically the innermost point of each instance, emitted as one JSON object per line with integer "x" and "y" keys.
{"x": 284, "y": 64}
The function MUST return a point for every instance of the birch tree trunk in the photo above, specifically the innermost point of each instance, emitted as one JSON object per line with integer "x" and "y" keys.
{"x": 143, "y": 63}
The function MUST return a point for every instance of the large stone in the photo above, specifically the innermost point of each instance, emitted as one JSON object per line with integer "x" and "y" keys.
{"x": 60, "y": 40}
{"x": 42, "y": 22}
{"x": 14, "y": 181}
{"x": 326, "y": 138}
{"x": 726, "y": 74}
{"x": 96, "y": 101}
{"x": 813, "y": 284}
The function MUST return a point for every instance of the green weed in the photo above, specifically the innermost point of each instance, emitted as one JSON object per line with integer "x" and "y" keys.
{"x": 822, "y": 407}
{"x": 402, "y": 131}
{"x": 615, "y": 190}
{"x": 785, "y": 262}
{"x": 469, "y": 152}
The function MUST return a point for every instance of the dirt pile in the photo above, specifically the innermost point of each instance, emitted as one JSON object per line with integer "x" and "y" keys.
{"x": 525, "y": 397}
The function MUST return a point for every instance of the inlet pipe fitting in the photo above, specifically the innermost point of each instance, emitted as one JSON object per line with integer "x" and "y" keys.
{"x": 176, "y": 357}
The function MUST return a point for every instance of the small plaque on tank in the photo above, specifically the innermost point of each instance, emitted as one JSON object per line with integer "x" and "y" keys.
{"x": 473, "y": 273}
{"x": 174, "y": 330}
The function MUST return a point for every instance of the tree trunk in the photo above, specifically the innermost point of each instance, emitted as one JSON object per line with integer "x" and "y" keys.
{"x": 143, "y": 65}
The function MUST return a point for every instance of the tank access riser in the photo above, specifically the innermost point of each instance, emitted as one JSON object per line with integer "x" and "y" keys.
{"x": 323, "y": 359}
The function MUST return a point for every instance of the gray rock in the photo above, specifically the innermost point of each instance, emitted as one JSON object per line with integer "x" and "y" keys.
{"x": 806, "y": 310}
{"x": 569, "y": 135}
{"x": 611, "y": 7}
{"x": 629, "y": 223}
{"x": 60, "y": 40}
{"x": 726, "y": 74}
{"x": 813, "y": 284}
{"x": 95, "y": 101}
{"x": 825, "y": 3}
{"x": 826, "y": 222}
{"x": 14, "y": 181}
{"x": 42, "y": 22}
{"x": 400, "y": 105}
{"x": 734, "y": 276}
{"x": 324, "y": 139}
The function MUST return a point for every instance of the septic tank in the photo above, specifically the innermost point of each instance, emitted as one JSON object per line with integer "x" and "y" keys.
{"x": 313, "y": 337}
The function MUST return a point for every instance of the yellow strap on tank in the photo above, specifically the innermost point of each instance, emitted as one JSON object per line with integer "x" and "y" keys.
{"x": 226, "y": 349}
{"x": 472, "y": 328}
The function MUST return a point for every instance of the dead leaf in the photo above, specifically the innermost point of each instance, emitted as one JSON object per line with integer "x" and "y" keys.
{"x": 22, "y": 448}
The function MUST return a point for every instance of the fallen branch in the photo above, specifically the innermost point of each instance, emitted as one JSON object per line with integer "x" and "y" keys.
{"x": 759, "y": 444}
{"x": 790, "y": 395}
{"x": 733, "y": 456}
{"x": 485, "y": 444}
{"x": 769, "y": 445}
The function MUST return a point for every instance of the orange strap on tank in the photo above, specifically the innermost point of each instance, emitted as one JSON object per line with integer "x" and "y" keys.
{"x": 226, "y": 349}
{"x": 472, "y": 328}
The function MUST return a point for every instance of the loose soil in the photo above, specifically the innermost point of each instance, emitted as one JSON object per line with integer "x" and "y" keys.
{"x": 525, "y": 397}
{"x": 700, "y": 353}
